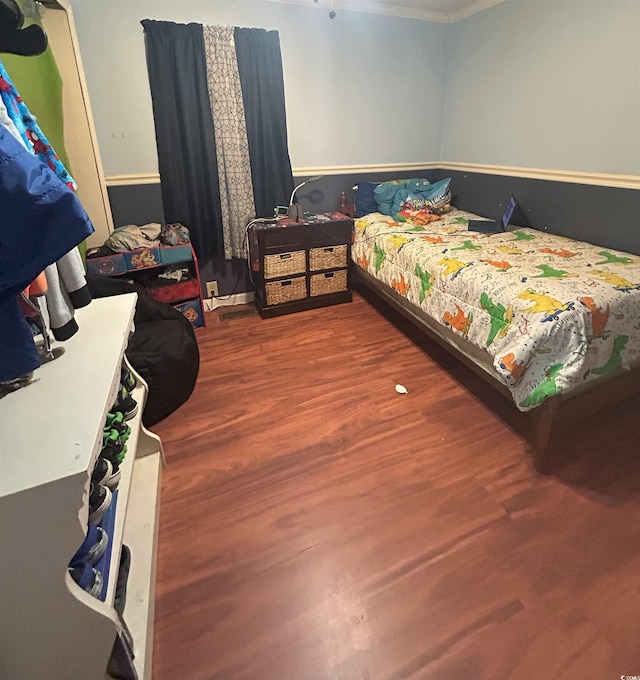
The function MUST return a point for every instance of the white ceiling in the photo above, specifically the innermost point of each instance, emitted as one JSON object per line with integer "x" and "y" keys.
{"x": 428, "y": 10}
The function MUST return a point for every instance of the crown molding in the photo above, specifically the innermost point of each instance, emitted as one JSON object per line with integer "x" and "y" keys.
{"x": 389, "y": 9}
{"x": 474, "y": 8}
{"x": 372, "y": 7}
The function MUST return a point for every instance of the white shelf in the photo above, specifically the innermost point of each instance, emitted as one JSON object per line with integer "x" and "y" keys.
{"x": 141, "y": 536}
{"x": 126, "y": 475}
{"x": 51, "y": 429}
{"x": 50, "y": 436}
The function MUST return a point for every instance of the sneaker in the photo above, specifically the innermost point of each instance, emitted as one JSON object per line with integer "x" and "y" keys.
{"x": 87, "y": 578}
{"x": 114, "y": 442}
{"x": 127, "y": 378}
{"x": 115, "y": 421}
{"x": 102, "y": 471}
{"x": 125, "y": 403}
{"x": 114, "y": 454}
{"x": 93, "y": 547}
{"x": 99, "y": 502}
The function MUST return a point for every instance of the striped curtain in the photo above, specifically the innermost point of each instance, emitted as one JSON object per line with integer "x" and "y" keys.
{"x": 232, "y": 148}
{"x": 242, "y": 168}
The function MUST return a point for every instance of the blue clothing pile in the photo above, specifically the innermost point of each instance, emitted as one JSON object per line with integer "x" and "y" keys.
{"x": 41, "y": 220}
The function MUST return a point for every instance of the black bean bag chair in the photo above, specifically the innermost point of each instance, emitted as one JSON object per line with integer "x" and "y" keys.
{"x": 163, "y": 349}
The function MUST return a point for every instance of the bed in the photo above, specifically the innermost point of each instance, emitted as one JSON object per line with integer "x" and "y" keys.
{"x": 553, "y": 323}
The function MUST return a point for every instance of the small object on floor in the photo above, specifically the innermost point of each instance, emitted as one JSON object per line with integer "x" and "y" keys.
{"x": 87, "y": 578}
{"x": 238, "y": 314}
{"x": 401, "y": 389}
{"x": 93, "y": 547}
{"x": 99, "y": 502}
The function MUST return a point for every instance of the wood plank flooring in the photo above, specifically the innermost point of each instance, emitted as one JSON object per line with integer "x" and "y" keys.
{"x": 316, "y": 524}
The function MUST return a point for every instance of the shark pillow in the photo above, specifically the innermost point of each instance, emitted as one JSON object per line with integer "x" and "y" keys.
{"x": 386, "y": 193}
{"x": 436, "y": 197}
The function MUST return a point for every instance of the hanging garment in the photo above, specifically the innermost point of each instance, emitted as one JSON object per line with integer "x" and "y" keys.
{"x": 67, "y": 291}
{"x": 29, "y": 129}
{"x": 232, "y": 148}
{"x": 41, "y": 220}
{"x": 18, "y": 356}
{"x": 8, "y": 123}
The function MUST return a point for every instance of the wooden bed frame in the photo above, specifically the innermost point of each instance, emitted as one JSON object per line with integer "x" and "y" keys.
{"x": 597, "y": 395}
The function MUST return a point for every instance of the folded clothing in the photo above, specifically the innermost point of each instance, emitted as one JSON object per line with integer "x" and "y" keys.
{"x": 131, "y": 237}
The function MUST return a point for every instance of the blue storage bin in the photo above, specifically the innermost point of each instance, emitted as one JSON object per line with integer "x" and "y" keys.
{"x": 106, "y": 266}
{"x": 193, "y": 311}
{"x": 174, "y": 254}
{"x": 143, "y": 258}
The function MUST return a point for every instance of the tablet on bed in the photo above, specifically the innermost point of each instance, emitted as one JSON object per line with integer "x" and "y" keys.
{"x": 493, "y": 226}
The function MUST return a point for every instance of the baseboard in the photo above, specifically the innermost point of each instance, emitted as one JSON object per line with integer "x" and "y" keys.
{"x": 228, "y": 301}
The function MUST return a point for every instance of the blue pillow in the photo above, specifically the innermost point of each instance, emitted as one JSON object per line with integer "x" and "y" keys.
{"x": 436, "y": 195}
{"x": 387, "y": 192}
{"x": 364, "y": 198}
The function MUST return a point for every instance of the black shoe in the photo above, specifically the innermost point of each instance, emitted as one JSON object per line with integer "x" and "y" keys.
{"x": 102, "y": 471}
{"x": 127, "y": 379}
{"x": 115, "y": 421}
{"x": 120, "y": 598}
{"x": 112, "y": 451}
{"x": 125, "y": 403}
{"x": 99, "y": 502}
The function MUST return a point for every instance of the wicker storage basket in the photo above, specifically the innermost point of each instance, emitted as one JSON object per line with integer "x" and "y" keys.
{"x": 327, "y": 258}
{"x": 277, "y": 292}
{"x": 285, "y": 264}
{"x": 328, "y": 282}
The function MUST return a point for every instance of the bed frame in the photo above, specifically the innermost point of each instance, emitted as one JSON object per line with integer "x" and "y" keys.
{"x": 579, "y": 404}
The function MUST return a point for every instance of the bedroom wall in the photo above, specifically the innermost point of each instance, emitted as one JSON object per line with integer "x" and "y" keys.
{"x": 351, "y": 83}
{"x": 551, "y": 84}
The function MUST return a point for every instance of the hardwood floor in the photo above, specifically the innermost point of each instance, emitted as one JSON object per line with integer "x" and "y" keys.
{"x": 316, "y": 524}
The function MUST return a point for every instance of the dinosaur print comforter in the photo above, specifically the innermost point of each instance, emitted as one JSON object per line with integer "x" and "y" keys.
{"x": 552, "y": 312}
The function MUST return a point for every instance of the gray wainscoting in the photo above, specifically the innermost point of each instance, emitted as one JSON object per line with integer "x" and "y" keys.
{"x": 606, "y": 216}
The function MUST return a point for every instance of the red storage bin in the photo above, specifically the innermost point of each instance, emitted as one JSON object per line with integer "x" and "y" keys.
{"x": 175, "y": 292}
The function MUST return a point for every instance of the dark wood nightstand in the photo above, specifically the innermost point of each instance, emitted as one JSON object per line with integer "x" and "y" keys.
{"x": 301, "y": 265}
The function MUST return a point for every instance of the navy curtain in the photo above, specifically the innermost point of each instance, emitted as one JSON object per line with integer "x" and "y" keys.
{"x": 260, "y": 69}
{"x": 184, "y": 132}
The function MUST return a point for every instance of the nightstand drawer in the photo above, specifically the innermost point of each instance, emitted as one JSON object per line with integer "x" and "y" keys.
{"x": 331, "y": 257}
{"x": 285, "y": 264}
{"x": 328, "y": 282}
{"x": 293, "y": 238}
{"x": 278, "y": 292}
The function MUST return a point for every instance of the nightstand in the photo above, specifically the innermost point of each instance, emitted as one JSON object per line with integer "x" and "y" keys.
{"x": 301, "y": 265}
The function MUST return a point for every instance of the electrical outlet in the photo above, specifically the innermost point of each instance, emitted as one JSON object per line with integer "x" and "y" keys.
{"x": 212, "y": 289}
